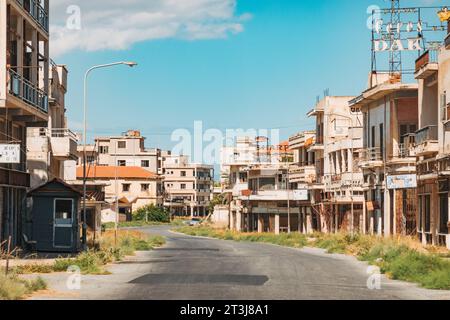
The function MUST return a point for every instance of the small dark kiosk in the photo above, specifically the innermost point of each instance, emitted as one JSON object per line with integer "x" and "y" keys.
{"x": 56, "y": 219}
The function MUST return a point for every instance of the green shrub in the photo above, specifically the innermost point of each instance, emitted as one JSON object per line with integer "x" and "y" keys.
{"x": 151, "y": 213}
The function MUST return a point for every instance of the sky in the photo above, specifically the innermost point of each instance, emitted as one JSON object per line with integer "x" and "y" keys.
{"x": 230, "y": 63}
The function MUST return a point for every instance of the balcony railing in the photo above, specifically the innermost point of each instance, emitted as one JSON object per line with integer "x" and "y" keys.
{"x": 36, "y": 11}
{"x": 430, "y": 56}
{"x": 429, "y": 133}
{"x": 371, "y": 154}
{"x": 27, "y": 91}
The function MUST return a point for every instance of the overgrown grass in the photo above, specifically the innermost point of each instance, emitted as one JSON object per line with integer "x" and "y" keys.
{"x": 139, "y": 224}
{"x": 294, "y": 240}
{"x": 94, "y": 261}
{"x": 14, "y": 288}
{"x": 399, "y": 258}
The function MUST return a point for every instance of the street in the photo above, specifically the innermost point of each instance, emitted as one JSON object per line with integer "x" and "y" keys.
{"x": 205, "y": 269}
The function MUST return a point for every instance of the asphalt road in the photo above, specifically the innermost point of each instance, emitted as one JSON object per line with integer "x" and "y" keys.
{"x": 190, "y": 268}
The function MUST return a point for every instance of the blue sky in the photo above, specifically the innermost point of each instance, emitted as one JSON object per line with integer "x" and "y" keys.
{"x": 265, "y": 75}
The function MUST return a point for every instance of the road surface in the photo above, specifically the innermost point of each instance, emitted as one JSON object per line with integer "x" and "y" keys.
{"x": 190, "y": 268}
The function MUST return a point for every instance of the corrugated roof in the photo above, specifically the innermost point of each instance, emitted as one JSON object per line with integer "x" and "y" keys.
{"x": 100, "y": 172}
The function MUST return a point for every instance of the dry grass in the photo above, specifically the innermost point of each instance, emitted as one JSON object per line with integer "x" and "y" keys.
{"x": 14, "y": 288}
{"x": 94, "y": 261}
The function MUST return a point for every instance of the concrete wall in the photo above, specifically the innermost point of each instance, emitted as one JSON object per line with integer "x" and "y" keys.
{"x": 220, "y": 217}
{"x": 444, "y": 87}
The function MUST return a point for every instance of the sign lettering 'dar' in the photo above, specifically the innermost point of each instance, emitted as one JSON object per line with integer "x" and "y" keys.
{"x": 389, "y": 36}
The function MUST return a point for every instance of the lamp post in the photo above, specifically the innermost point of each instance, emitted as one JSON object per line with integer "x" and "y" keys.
{"x": 130, "y": 64}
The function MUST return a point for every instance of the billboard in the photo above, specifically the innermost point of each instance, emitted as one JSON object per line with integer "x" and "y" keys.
{"x": 10, "y": 153}
{"x": 402, "y": 182}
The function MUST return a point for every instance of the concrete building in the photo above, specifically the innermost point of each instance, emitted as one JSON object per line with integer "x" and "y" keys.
{"x": 432, "y": 148}
{"x": 188, "y": 187}
{"x": 127, "y": 150}
{"x": 52, "y": 150}
{"x": 302, "y": 175}
{"x": 390, "y": 113}
{"x": 131, "y": 187}
{"x": 24, "y": 102}
{"x": 338, "y": 185}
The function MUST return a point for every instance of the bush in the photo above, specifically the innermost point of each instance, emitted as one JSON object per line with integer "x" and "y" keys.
{"x": 13, "y": 288}
{"x": 151, "y": 213}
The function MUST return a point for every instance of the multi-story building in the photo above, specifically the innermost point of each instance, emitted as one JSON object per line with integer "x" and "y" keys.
{"x": 24, "y": 102}
{"x": 52, "y": 150}
{"x": 127, "y": 150}
{"x": 302, "y": 175}
{"x": 388, "y": 160}
{"x": 432, "y": 148}
{"x": 336, "y": 193}
{"x": 188, "y": 186}
{"x": 128, "y": 187}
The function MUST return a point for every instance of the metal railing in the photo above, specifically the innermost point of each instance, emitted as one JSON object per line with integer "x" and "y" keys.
{"x": 429, "y": 56}
{"x": 27, "y": 91}
{"x": 371, "y": 154}
{"x": 36, "y": 11}
{"x": 63, "y": 133}
{"x": 429, "y": 133}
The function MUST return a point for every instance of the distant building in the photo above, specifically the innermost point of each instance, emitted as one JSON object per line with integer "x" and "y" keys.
{"x": 127, "y": 150}
{"x": 130, "y": 187}
{"x": 188, "y": 186}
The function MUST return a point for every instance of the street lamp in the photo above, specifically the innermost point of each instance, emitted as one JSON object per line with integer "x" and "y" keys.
{"x": 126, "y": 63}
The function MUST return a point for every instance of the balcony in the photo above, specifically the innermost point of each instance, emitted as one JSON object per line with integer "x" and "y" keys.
{"x": 371, "y": 158}
{"x": 14, "y": 178}
{"x": 269, "y": 195}
{"x": 302, "y": 174}
{"x": 427, "y": 141}
{"x": 27, "y": 92}
{"x": 37, "y": 12}
{"x": 64, "y": 143}
{"x": 426, "y": 64}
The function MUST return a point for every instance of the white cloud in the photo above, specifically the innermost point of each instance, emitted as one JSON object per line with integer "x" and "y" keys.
{"x": 116, "y": 25}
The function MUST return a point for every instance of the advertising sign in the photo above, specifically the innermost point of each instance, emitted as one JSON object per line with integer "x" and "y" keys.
{"x": 10, "y": 153}
{"x": 402, "y": 182}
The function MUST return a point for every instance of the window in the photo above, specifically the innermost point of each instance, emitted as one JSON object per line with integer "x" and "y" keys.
{"x": 90, "y": 159}
{"x": 121, "y": 144}
{"x": 126, "y": 187}
{"x": 104, "y": 150}
{"x": 427, "y": 213}
{"x": 63, "y": 209}
{"x": 145, "y": 164}
{"x": 382, "y": 141}
{"x": 183, "y": 173}
{"x": 183, "y": 186}
{"x": 443, "y": 208}
{"x": 122, "y": 163}
{"x": 145, "y": 187}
